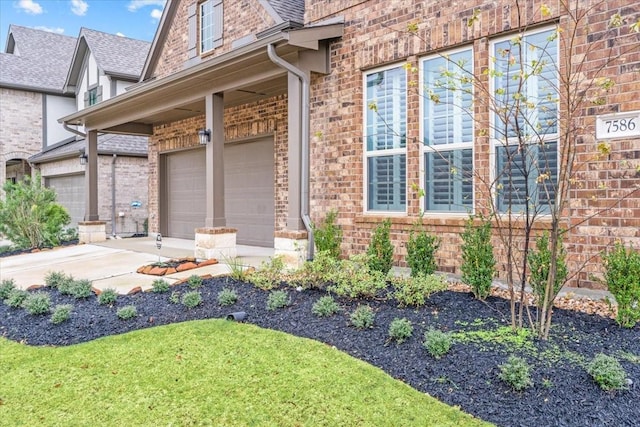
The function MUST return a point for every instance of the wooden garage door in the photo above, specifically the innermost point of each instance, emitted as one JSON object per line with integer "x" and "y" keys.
{"x": 184, "y": 193}
{"x": 249, "y": 191}
{"x": 70, "y": 190}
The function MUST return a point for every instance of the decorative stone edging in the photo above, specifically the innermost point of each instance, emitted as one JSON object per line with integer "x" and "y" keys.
{"x": 174, "y": 266}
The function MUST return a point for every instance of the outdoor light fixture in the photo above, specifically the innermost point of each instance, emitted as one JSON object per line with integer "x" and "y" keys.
{"x": 83, "y": 157}
{"x": 205, "y": 136}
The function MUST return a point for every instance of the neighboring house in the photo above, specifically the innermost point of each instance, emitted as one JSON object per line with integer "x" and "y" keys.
{"x": 92, "y": 68}
{"x": 278, "y": 84}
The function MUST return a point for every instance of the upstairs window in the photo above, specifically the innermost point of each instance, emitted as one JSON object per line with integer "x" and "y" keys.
{"x": 210, "y": 25}
{"x": 93, "y": 96}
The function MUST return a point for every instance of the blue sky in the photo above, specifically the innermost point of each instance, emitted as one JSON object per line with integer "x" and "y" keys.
{"x": 137, "y": 19}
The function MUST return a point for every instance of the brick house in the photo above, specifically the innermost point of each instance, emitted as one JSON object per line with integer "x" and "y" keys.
{"x": 311, "y": 106}
{"x": 68, "y": 74}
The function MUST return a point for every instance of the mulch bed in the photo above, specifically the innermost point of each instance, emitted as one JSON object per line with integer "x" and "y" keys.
{"x": 563, "y": 393}
{"x": 12, "y": 252}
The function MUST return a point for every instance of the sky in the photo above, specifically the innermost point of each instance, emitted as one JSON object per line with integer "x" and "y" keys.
{"x": 137, "y": 19}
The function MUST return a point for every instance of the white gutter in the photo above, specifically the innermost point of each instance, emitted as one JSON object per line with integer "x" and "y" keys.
{"x": 65, "y": 125}
{"x": 304, "y": 126}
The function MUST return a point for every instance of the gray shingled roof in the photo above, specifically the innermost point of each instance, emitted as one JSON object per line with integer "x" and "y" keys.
{"x": 39, "y": 60}
{"x": 289, "y": 10}
{"x": 115, "y": 54}
{"x": 107, "y": 144}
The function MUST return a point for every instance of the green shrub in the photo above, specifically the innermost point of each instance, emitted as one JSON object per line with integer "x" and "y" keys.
{"x": 15, "y": 298}
{"x": 539, "y": 266}
{"x": 191, "y": 299}
{"x": 414, "y": 291}
{"x": 160, "y": 286}
{"x": 315, "y": 274}
{"x": 29, "y": 214}
{"x": 622, "y": 274}
{"x": 6, "y": 286}
{"x": 325, "y": 306}
{"x": 363, "y": 317}
{"x": 607, "y": 372}
{"x": 175, "y": 297}
{"x": 421, "y": 250}
{"x": 69, "y": 234}
{"x": 400, "y": 330}
{"x": 194, "y": 281}
{"x": 61, "y": 313}
{"x": 277, "y": 299}
{"x": 269, "y": 275}
{"x": 108, "y": 297}
{"x": 328, "y": 236}
{"x": 237, "y": 270}
{"x": 355, "y": 279}
{"x": 80, "y": 289}
{"x": 437, "y": 343}
{"x": 227, "y": 297}
{"x": 127, "y": 312}
{"x": 478, "y": 263}
{"x": 516, "y": 373}
{"x": 65, "y": 284}
{"x": 54, "y": 279}
{"x": 380, "y": 250}
{"x": 37, "y": 303}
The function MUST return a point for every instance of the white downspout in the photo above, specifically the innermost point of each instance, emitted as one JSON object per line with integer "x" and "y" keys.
{"x": 65, "y": 125}
{"x": 304, "y": 126}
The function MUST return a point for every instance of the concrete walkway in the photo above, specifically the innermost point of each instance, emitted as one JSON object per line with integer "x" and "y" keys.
{"x": 113, "y": 264}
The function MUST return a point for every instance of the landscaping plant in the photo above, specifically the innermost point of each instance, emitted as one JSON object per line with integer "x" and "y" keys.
{"x": 269, "y": 275}
{"x": 80, "y": 289}
{"x": 437, "y": 343}
{"x": 414, "y": 291}
{"x": 191, "y": 299}
{"x": 315, "y": 274}
{"x": 380, "y": 250}
{"x": 61, "y": 313}
{"x": 516, "y": 372}
{"x": 37, "y": 303}
{"x": 6, "y": 286}
{"x": 400, "y": 330}
{"x": 622, "y": 275}
{"x": 194, "y": 281}
{"x": 421, "y": 250}
{"x": 160, "y": 286}
{"x": 127, "y": 312}
{"x": 54, "y": 279}
{"x": 107, "y": 297}
{"x": 607, "y": 372}
{"x": 363, "y": 317}
{"x": 15, "y": 298}
{"x": 277, "y": 299}
{"x": 478, "y": 263}
{"x": 325, "y": 306}
{"x": 355, "y": 278}
{"x": 227, "y": 297}
{"x": 539, "y": 265}
{"x": 328, "y": 236}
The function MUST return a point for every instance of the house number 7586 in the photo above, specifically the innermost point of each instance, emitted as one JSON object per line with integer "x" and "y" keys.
{"x": 618, "y": 125}
{"x": 622, "y": 125}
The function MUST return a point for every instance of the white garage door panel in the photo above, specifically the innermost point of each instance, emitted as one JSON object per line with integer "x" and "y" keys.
{"x": 249, "y": 191}
{"x": 70, "y": 191}
{"x": 186, "y": 193}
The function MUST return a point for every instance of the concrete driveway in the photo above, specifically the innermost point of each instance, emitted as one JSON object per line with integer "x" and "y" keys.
{"x": 113, "y": 264}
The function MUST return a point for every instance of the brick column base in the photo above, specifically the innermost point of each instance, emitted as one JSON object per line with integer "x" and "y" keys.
{"x": 92, "y": 231}
{"x": 215, "y": 242}
{"x": 292, "y": 247}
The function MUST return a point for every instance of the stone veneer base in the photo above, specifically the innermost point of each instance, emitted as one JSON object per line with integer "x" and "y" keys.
{"x": 216, "y": 242}
{"x": 292, "y": 247}
{"x": 92, "y": 231}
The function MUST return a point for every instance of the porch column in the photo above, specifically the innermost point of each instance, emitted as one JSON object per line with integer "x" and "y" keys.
{"x": 91, "y": 177}
{"x": 294, "y": 87}
{"x": 214, "y": 113}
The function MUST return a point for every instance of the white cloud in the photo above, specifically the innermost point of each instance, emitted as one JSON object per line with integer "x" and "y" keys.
{"x": 138, "y": 4}
{"x": 156, "y": 14}
{"x": 51, "y": 30}
{"x": 119, "y": 34}
{"x": 29, "y": 6}
{"x": 79, "y": 7}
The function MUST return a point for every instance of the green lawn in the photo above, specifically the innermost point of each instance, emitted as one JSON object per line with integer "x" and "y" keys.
{"x": 210, "y": 372}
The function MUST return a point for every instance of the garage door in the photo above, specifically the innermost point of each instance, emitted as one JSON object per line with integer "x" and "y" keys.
{"x": 249, "y": 191}
{"x": 184, "y": 193}
{"x": 70, "y": 190}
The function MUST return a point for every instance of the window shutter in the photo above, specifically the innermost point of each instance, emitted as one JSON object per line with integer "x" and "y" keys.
{"x": 86, "y": 99}
{"x": 99, "y": 94}
{"x": 192, "y": 48}
{"x": 217, "y": 23}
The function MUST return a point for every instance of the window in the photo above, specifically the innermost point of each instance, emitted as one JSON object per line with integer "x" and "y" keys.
{"x": 525, "y": 120}
{"x": 385, "y": 139}
{"x": 93, "y": 96}
{"x": 448, "y": 132}
{"x": 210, "y": 25}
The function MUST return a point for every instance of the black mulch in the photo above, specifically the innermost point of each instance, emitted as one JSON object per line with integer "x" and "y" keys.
{"x": 563, "y": 394}
{"x": 10, "y": 251}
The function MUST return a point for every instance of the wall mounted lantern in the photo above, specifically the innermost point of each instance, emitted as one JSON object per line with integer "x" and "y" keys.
{"x": 83, "y": 157}
{"x": 205, "y": 136}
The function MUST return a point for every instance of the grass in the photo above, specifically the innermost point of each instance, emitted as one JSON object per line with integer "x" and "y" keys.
{"x": 209, "y": 372}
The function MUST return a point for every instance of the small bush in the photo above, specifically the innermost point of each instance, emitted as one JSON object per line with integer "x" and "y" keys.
{"x": 127, "y": 312}
{"x": 540, "y": 264}
{"x": 108, "y": 297}
{"x": 15, "y": 298}
{"x": 237, "y": 269}
{"x": 355, "y": 279}
{"x": 317, "y": 273}
{"x": 421, "y": 250}
{"x": 325, "y": 306}
{"x": 54, "y": 279}
{"x": 400, "y": 330}
{"x": 64, "y": 283}
{"x": 607, "y": 372}
{"x": 380, "y": 250}
{"x": 191, "y": 299}
{"x": 363, "y": 317}
{"x": 437, "y": 343}
{"x": 37, "y": 303}
{"x": 269, "y": 275}
{"x": 61, "y": 313}
{"x": 80, "y": 289}
{"x": 414, "y": 291}
{"x": 194, "y": 281}
{"x": 6, "y": 286}
{"x": 516, "y": 373}
{"x": 227, "y": 297}
{"x": 622, "y": 274}
{"x": 478, "y": 263}
{"x": 328, "y": 236}
{"x": 160, "y": 286}
{"x": 175, "y": 297}
{"x": 277, "y": 299}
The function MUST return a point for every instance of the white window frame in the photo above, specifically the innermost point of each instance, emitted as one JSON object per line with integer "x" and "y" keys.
{"x": 496, "y": 142}
{"x": 382, "y": 153}
{"x": 424, "y": 148}
{"x": 201, "y": 38}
